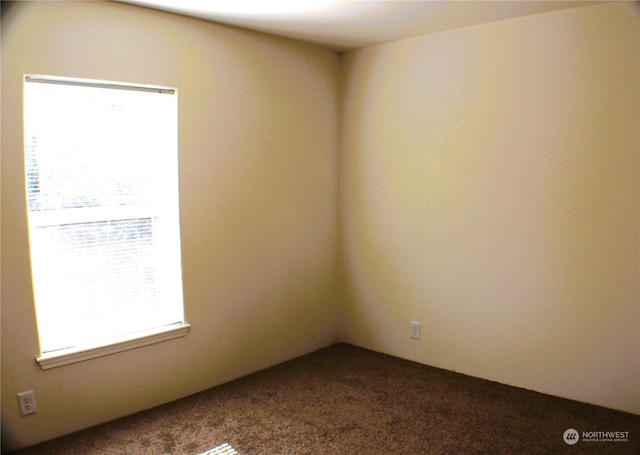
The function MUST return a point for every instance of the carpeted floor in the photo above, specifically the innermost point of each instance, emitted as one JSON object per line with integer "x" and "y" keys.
{"x": 348, "y": 400}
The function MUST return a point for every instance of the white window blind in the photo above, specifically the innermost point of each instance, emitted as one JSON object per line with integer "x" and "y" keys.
{"x": 102, "y": 191}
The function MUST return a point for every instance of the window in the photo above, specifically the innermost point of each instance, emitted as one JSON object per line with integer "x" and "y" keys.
{"x": 102, "y": 193}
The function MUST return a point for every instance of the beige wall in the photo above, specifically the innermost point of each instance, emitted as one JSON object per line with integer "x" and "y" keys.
{"x": 490, "y": 190}
{"x": 258, "y": 205}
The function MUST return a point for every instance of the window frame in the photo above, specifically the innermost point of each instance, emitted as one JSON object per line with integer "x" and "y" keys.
{"x": 122, "y": 342}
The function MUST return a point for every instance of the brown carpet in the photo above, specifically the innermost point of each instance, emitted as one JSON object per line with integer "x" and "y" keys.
{"x": 348, "y": 400}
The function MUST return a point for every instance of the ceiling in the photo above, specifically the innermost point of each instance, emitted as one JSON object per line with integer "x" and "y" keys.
{"x": 349, "y": 24}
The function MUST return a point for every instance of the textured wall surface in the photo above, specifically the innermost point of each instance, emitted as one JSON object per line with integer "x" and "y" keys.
{"x": 490, "y": 190}
{"x": 258, "y": 205}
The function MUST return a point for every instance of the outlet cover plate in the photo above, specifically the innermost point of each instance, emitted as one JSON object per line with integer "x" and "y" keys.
{"x": 415, "y": 330}
{"x": 27, "y": 403}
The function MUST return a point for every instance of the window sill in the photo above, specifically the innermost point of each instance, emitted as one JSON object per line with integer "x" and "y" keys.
{"x": 79, "y": 354}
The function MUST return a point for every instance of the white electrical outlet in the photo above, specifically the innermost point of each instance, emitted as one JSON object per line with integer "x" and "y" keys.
{"x": 27, "y": 403}
{"x": 415, "y": 330}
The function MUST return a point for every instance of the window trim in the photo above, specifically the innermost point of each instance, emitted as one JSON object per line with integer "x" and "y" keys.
{"x": 112, "y": 344}
{"x": 109, "y": 346}
{"x": 97, "y": 84}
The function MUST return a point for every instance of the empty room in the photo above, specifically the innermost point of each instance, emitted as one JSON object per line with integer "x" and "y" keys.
{"x": 366, "y": 227}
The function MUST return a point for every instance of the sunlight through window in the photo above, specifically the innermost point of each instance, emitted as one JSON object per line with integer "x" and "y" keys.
{"x": 224, "y": 449}
{"x": 102, "y": 191}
